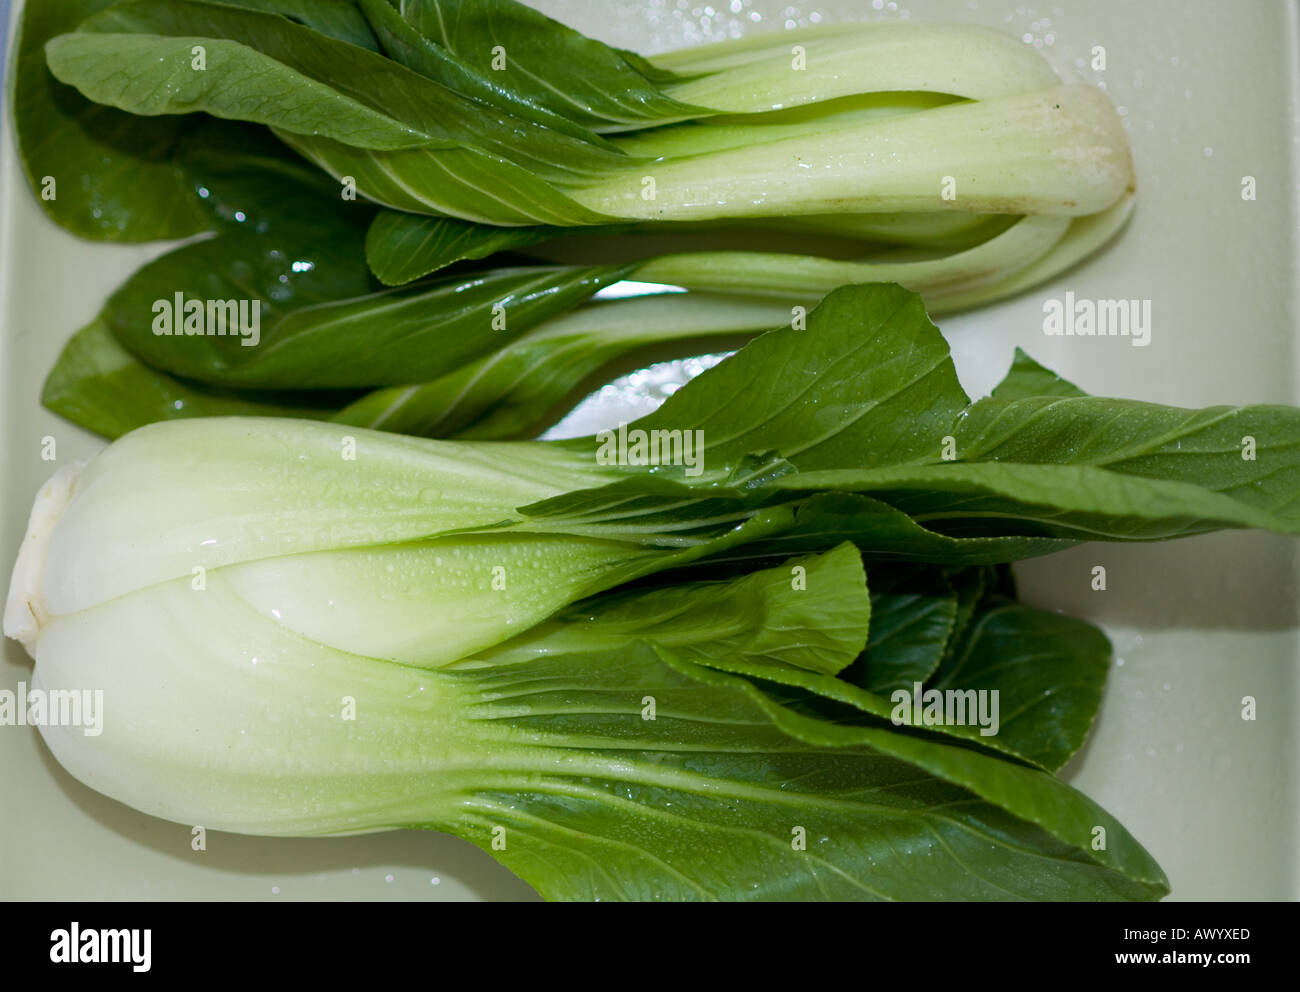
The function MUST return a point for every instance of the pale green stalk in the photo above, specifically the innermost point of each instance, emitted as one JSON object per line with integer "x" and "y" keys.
{"x": 1059, "y": 151}
{"x": 774, "y": 275}
{"x": 762, "y": 72}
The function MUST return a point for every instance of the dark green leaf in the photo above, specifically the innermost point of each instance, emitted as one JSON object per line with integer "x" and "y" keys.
{"x": 913, "y": 610}
{"x": 1027, "y": 378}
{"x": 404, "y": 247}
{"x": 1071, "y": 501}
{"x": 703, "y": 801}
{"x": 114, "y": 175}
{"x": 324, "y": 342}
{"x": 810, "y": 613}
{"x": 546, "y": 63}
{"x": 510, "y": 392}
{"x": 404, "y": 44}
{"x": 1024, "y": 682}
{"x": 971, "y": 585}
{"x": 868, "y": 383}
{"x": 1249, "y": 456}
{"x": 102, "y": 387}
{"x": 883, "y": 532}
{"x": 1049, "y": 671}
{"x": 355, "y": 104}
{"x": 338, "y": 19}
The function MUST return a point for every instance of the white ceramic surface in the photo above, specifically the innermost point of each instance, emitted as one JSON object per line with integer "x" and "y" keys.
{"x": 1209, "y": 92}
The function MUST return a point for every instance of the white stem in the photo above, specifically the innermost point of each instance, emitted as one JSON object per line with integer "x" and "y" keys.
{"x": 25, "y": 610}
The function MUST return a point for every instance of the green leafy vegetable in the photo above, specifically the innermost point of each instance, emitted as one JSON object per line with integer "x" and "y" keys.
{"x": 137, "y": 56}
{"x": 423, "y": 143}
{"x": 339, "y": 19}
{"x": 686, "y": 658}
{"x": 450, "y": 585}
{"x": 541, "y": 62}
{"x": 913, "y": 613}
{"x": 409, "y": 335}
{"x": 98, "y": 384}
{"x": 755, "y": 616}
{"x": 404, "y": 247}
{"x": 1049, "y": 671}
{"x": 114, "y": 174}
{"x": 464, "y": 115}
{"x": 628, "y": 817}
{"x": 553, "y": 754}
{"x": 512, "y": 390}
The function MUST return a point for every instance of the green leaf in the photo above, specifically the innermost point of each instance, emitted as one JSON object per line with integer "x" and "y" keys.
{"x": 287, "y": 242}
{"x": 703, "y": 802}
{"x": 377, "y": 339}
{"x": 511, "y": 392}
{"x": 233, "y": 85}
{"x": 281, "y": 242}
{"x": 869, "y": 382}
{"x": 810, "y": 613}
{"x": 547, "y": 64}
{"x": 1206, "y": 448}
{"x": 404, "y": 44}
{"x": 350, "y": 94}
{"x": 1026, "y": 378}
{"x": 1041, "y": 674}
{"x": 1023, "y": 682}
{"x": 466, "y": 182}
{"x": 1049, "y": 671}
{"x": 137, "y": 56}
{"x": 884, "y": 532}
{"x": 115, "y": 178}
{"x": 972, "y": 586}
{"x": 99, "y": 385}
{"x": 338, "y": 19}
{"x": 913, "y": 610}
{"x": 404, "y": 247}
{"x": 125, "y": 178}
{"x": 1078, "y": 502}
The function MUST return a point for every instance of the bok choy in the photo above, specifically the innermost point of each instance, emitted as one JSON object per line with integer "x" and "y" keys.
{"x": 944, "y": 157}
{"x": 733, "y": 790}
{"x": 1021, "y": 143}
{"x": 635, "y": 671}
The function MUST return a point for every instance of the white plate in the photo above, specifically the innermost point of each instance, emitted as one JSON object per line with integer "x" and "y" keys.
{"x": 1209, "y": 92}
